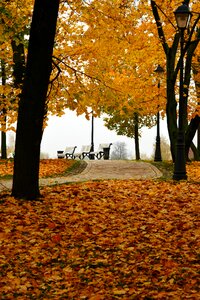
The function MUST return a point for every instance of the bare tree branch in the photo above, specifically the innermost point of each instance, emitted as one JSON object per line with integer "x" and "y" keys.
{"x": 159, "y": 26}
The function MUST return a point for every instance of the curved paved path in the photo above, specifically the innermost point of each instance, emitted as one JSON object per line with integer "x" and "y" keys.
{"x": 101, "y": 169}
{"x": 113, "y": 169}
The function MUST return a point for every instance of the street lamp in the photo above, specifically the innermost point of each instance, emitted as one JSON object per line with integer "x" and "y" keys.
{"x": 182, "y": 15}
{"x": 91, "y": 156}
{"x": 159, "y": 70}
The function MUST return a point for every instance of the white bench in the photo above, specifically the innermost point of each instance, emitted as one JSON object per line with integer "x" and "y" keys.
{"x": 85, "y": 152}
{"x": 68, "y": 152}
{"x": 103, "y": 151}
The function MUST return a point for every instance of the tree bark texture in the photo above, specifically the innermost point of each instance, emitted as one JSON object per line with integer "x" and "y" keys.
{"x": 33, "y": 100}
{"x": 172, "y": 73}
{"x": 4, "y": 111}
{"x": 195, "y": 68}
{"x": 136, "y": 134}
{"x": 171, "y": 104}
{"x": 18, "y": 63}
{"x": 190, "y": 133}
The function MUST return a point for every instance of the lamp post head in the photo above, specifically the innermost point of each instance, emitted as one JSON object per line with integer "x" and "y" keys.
{"x": 182, "y": 15}
{"x": 159, "y": 70}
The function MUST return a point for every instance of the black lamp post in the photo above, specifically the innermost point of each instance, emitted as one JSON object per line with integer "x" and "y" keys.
{"x": 182, "y": 14}
{"x": 158, "y": 157}
{"x": 92, "y": 136}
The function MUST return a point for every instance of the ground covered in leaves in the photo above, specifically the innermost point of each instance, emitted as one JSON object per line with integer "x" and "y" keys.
{"x": 112, "y": 239}
{"x": 48, "y": 167}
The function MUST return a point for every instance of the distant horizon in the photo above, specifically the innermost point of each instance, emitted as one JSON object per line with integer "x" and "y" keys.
{"x": 73, "y": 130}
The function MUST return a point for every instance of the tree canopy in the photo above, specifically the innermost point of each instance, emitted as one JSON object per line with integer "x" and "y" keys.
{"x": 105, "y": 54}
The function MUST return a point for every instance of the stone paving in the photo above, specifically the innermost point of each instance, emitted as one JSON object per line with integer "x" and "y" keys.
{"x": 101, "y": 169}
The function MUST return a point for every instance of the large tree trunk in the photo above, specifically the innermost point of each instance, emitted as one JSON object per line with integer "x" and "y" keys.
{"x": 3, "y": 138}
{"x": 136, "y": 134}
{"x": 33, "y": 100}
{"x": 190, "y": 133}
{"x": 171, "y": 98}
{"x": 196, "y": 71}
{"x": 172, "y": 72}
{"x": 18, "y": 63}
{"x": 171, "y": 104}
{"x": 195, "y": 152}
{"x": 3, "y": 125}
{"x": 198, "y": 140}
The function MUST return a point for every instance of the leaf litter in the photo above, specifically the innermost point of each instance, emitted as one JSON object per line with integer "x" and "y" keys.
{"x": 112, "y": 239}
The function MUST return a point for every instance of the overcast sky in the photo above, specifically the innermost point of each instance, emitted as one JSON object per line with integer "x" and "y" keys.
{"x": 70, "y": 130}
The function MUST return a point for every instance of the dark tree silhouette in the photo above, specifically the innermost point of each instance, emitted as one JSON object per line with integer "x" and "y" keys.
{"x": 32, "y": 105}
{"x": 172, "y": 69}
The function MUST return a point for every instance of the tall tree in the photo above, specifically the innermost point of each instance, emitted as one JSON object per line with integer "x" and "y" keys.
{"x": 119, "y": 151}
{"x": 170, "y": 47}
{"x": 3, "y": 125}
{"x": 129, "y": 124}
{"x": 15, "y": 21}
{"x": 104, "y": 62}
{"x": 32, "y": 106}
{"x": 136, "y": 134}
{"x": 105, "y": 54}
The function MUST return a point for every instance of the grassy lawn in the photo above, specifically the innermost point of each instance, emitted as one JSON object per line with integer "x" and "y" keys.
{"x": 166, "y": 167}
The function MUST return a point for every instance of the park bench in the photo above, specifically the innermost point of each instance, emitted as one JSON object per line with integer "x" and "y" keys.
{"x": 68, "y": 152}
{"x": 85, "y": 152}
{"x": 102, "y": 152}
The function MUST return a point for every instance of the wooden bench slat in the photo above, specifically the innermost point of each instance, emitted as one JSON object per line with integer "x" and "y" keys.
{"x": 100, "y": 153}
{"x": 68, "y": 152}
{"x": 85, "y": 152}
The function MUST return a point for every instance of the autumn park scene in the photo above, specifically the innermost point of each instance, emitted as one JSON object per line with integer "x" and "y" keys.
{"x": 138, "y": 237}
